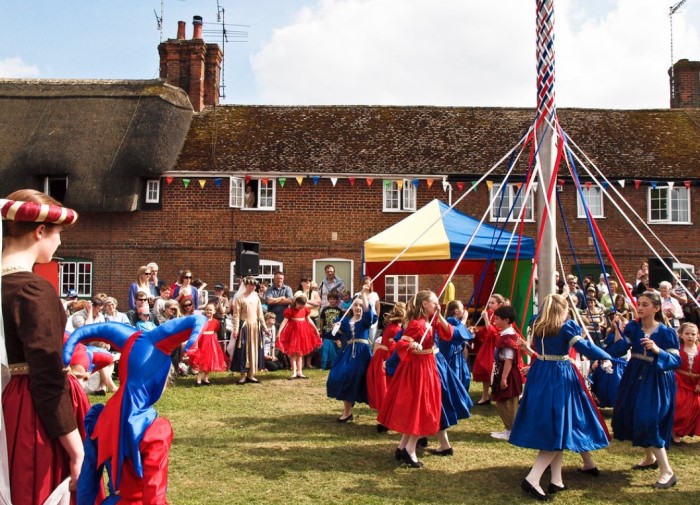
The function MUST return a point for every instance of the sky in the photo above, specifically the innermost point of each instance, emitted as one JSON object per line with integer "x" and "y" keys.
{"x": 609, "y": 53}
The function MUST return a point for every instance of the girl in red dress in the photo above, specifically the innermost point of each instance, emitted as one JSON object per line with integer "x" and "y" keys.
{"x": 486, "y": 337}
{"x": 412, "y": 403}
{"x": 298, "y": 335}
{"x": 686, "y": 421}
{"x": 206, "y": 355}
{"x": 377, "y": 379}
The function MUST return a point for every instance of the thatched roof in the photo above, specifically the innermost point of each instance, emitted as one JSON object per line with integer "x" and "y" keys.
{"x": 105, "y": 136}
{"x": 454, "y": 141}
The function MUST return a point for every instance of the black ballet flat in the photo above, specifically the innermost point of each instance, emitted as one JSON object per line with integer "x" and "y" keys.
{"x": 422, "y": 442}
{"x": 411, "y": 462}
{"x": 553, "y": 488}
{"x": 250, "y": 380}
{"x": 652, "y": 466}
{"x": 482, "y": 404}
{"x": 593, "y": 472}
{"x": 666, "y": 485}
{"x": 447, "y": 452}
{"x": 530, "y": 489}
{"x": 346, "y": 419}
{"x": 381, "y": 428}
{"x": 398, "y": 454}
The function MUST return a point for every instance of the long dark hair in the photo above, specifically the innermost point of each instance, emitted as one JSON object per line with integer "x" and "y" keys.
{"x": 655, "y": 299}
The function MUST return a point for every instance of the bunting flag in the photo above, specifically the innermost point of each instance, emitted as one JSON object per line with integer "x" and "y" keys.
{"x": 202, "y": 183}
{"x": 474, "y": 186}
{"x": 282, "y": 181}
{"x": 429, "y": 182}
{"x": 369, "y": 181}
{"x": 399, "y": 184}
{"x": 415, "y": 183}
{"x": 265, "y": 180}
{"x": 387, "y": 183}
{"x": 352, "y": 181}
{"x": 445, "y": 185}
{"x": 300, "y": 179}
{"x": 621, "y": 182}
{"x": 315, "y": 179}
{"x": 670, "y": 185}
{"x": 460, "y": 186}
{"x": 334, "y": 181}
{"x": 186, "y": 182}
{"x": 489, "y": 185}
{"x": 217, "y": 182}
{"x": 604, "y": 184}
{"x": 169, "y": 180}
{"x": 686, "y": 184}
{"x": 653, "y": 184}
{"x": 589, "y": 184}
{"x": 247, "y": 179}
{"x": 518, "y": 185}
{"x": 560, "y": 182}
{"x": 637, "y": 183}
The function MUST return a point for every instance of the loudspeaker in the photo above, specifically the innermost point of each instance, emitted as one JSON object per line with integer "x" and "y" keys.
{"x": 658, "y": 272}
{"x": 247, "y": 258}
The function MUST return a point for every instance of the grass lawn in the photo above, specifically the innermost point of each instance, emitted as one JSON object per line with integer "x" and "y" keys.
{"x": 278, "y": 442}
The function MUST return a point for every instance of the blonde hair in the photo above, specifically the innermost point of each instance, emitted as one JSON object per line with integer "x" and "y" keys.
{"x": 414, "y": 307}
{"x": 552, "y": 317}
{"x": 688, "y": 326}
{"x": 396, "y": 314}
{"x": 502, "y": 300}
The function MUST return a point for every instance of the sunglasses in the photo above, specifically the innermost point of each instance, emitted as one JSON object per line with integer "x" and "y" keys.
{"x": 142, "y": 299}
{"x": 187, "y": 277}
{"x": 146, "y": 273}
{"x": 187, "y": 305}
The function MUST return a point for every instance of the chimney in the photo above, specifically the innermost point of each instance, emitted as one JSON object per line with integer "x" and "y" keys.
{"x": 192, "y": 65}
{"x": 685, "y": 84}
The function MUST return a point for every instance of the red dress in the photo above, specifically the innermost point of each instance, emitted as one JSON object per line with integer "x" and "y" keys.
{"x": 483, "y": 363}
{"x": 687, "y": 418}
{"x": 413, "y": 400}
{"x": 207, "y": 355}
{"x": 298, "y": 336}
{"x": 377, "y": 380}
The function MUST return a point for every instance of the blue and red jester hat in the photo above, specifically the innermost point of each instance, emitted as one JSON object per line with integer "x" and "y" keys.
{"x": 118, "y": 427}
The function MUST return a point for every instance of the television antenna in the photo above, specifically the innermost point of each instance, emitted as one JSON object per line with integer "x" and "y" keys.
{"x": 672, "y": 10}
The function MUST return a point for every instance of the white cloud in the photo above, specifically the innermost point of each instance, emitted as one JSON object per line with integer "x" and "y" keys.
{"x": 15, "y": 67}
{"x": 452, "y": 52}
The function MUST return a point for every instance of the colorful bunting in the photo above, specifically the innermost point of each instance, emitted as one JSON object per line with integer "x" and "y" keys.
{"x": 474, "y": 186}
{"x": 399, "y": 184}
{"x": 300, "y": 179}
{"x": 217, "y": 182}
{"x": 265, "y": 180}
{"x": 315, "y": 179}
{"x": 202, "y": 183}
{"x": 186, "y": 182}
{"x": 637, "y": 183}
{"x": 560, "y": 182}
{"x": 621, "y": 182}
{"x": 369, "y": 181}
{"x": 334, "y": 181}
{"x": 489, "y": 185}
{"x": 589, "y": 184}
{"x": 653, "y": 184}
{"x": 460, "y": 186}
{"x": 415, "y": 183}
{"x": 686, "y": 184}
{"x": 352, "y": 181}
{"x": 282, "y": 181}
{"x": 670, "y": 185}
{"x": 247, "y": 179}
{"x": 169, "y": 180}
{"x": 387, "y": 183}
{"x": 429, "y": 182}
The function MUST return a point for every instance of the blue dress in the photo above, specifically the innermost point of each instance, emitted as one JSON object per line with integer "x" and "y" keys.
{"x": 347, "y": 379}
{"x": 455, "y": 400}
{"x": 452, "y": 351}
{"x": 646, "y": 398}
{"x": 555, "y": 412}
{"x": 605, "y": 385}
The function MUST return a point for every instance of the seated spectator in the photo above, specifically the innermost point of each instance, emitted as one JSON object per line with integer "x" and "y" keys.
{"x": 159, "y": 316}
{"x": 141, "y": 301}
{"x": 144, "y": 323}
{"x": 92, "y": 313}
{"x": 71, "y": 298}
{"x": 111, "y": 312}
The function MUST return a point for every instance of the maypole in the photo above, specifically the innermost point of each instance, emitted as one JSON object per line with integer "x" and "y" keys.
{"x": 547, "y": 152}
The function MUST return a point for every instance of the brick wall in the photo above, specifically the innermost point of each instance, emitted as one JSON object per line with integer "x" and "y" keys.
{"x": 196, "y": 229}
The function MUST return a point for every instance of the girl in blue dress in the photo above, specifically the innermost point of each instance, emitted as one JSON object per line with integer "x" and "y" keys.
{"x": 646, "y": 398}
{"x": 453, "y": 350}
{"x": 555, "y": 412}
{"x": 347, "y": 378}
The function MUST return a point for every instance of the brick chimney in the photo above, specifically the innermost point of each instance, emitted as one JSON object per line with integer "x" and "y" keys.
{"x": 192, "y": 65}
{"x": 686, "y": 84}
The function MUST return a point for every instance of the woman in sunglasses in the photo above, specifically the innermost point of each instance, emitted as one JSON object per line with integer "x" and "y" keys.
{"x": 185, "y": 289}
{"x": 140, "y": 284}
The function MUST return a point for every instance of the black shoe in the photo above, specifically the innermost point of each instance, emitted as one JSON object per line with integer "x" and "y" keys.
{"x": 197, "y": 384}
{"x": 422, "y": 442}
{"x": 652, "y": 466}
{"x": 671, "y": 482}
{"x": 594, "y": 472}
{"x": 553, "y": 488}
{"x": 302, "y": 376}
{"x": 482, "y": 404}
{"x": 530, "y": 489}
{"x": 409, "y": 461}
{"x": 381, "y": 428}
{"x": 447, "y": 452}
{"x": 252, "y": 380}
{"x": 398, "y": 454}
{"x": 206, "y": 383}
{"x": 345, "y": 419}
{"x": 101, "y": 392}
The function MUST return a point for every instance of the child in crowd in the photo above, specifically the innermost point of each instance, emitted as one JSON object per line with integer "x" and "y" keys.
{"x": 272, "y": 363}
{"x": 206, "y": 356}
{"x": 298, "y": 335}
{"x": 144, "y": 322}
{"x": 345, "y": 300}
{"x": 377, "y": 379}
{"x": 687, "y": 418}
{"x": 331, "y": 343}
{"x": 507, "y": 383}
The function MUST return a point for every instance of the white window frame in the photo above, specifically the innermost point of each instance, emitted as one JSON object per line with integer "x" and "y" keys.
{"x": 267, "y": 271}
{"x": 75, "y": 274}
{"x": 505, "y": 204}
{"x": 675, "y": 194}
{"x": 393, "y": 285}
{"x": 341, "y": 266}
{"x": 266, "y": 195}
{"x": 152, "y": 191}
{"x": 594, "y": 200}
{"x": 395, "y": 200}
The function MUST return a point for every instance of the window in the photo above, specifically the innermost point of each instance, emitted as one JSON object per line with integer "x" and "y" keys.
{"x": 344, "y": 269}
{"x": 397, "y": 198}
{"x": 256, "y": 194}
{"x": 669, "y": 205}
{"x": 267, "y": 272}
{"x": 502, "y": 201}
{"x": 56, "y": 187}
{"x": 594, "y": 201}
{"x": 153, "y": 191}
{"x": 400, "y": 288}
{"x": 75, "y": 274}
